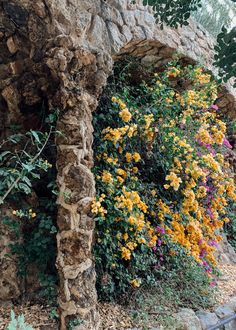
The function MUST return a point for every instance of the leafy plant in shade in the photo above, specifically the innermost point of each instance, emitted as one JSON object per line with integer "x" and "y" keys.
{"x": 225, "y": 58}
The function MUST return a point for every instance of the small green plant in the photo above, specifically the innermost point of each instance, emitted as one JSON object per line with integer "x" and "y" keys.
{"x": 54, "y": 314}
{"x": 18, "y": 323}
{"x": 185, "y": 286}
{"x": 73, "y": 323}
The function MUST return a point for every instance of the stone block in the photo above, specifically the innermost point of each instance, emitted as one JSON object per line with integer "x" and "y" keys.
{"x": 224, "y": 311}
{"x": 207, "y": 319}
{"x": 188, "y": 320}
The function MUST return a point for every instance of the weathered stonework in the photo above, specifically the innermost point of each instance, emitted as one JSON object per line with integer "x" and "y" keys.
{"x": 63, "y": 51}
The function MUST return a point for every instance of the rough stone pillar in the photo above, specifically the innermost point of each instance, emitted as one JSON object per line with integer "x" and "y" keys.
{"x": 77, "y": 297}
{"x": 76, "y": 100}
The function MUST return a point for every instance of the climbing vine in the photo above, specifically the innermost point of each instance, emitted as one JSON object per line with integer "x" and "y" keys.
{"x": 163, "y": 184}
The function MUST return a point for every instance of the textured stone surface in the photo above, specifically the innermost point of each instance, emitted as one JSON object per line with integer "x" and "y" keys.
{"x": 63, "y": 51}
{"x": 224, "y": 311}
{"x": 9, "y": 282}
{"x": 188, "y": 320}
{"x": 207, "y": 319}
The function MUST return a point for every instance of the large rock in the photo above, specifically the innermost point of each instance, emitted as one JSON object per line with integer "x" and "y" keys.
{"x": 188, "y": 320}
{"x": 207, "y": 319}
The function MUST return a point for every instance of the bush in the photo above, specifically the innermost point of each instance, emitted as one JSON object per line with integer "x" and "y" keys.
{"x": 163, "y": 184}
{"x": 28, "y": 187}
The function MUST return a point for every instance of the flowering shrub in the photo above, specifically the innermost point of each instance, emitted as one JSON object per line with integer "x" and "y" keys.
{"x": 163, "y": 184}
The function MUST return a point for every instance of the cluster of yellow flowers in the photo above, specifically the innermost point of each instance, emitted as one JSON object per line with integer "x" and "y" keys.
{"x": 189, "y": 140}
{"x": 21, "y": 213}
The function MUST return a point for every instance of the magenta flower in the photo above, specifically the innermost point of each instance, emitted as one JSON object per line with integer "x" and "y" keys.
{"x": 214, "y": 107}
{"x": 227, "y": 144}
{"x": 160, "y": 230}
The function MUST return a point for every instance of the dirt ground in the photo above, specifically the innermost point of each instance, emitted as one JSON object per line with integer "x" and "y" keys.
{"x": 113, "y": 317}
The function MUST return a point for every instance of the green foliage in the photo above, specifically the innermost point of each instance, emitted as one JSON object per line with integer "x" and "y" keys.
{"x": 230, "y": 227}
{"x": 18, "y": 323}
{"x": 28, "y": 185}
{"x": 225, "y": 58}
{"x": 185, "y": 286}
{"x": 73, "y": 323}
{"x": 147, "y": 134}
{"x": 173, "y": 13}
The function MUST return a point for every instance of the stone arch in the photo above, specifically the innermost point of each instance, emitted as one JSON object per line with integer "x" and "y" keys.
{"x": 66, "y": 51}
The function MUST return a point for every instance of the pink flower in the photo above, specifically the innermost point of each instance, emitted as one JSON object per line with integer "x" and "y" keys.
{"x": 214, "y": 107}
{"x": 227, "y": 144}
{"x": 160, "y": 230}
{"x": 159, "y": 242}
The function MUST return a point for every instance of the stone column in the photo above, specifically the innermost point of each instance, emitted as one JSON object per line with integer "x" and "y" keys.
{"x": 77, "y": 296}
{"x": 77, "y": 99}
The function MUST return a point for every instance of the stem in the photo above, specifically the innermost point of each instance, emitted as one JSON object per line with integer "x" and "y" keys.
{"x": 20, "y": 176}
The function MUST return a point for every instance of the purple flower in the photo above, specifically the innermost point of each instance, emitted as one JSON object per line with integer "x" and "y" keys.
{"x": 213, "y": 243}
{"x": 202, "y": 253}
{"x": 154, "y": 249}
{"x": 160, "y": 230}
{"x": 227, "y": 144}
{"x": 209, "y": 211}
{"x": 199, "y": 154}
{"x": 200, "y": 241}
{"x": 159, "y": 242}
{"x": 214, "y": 107}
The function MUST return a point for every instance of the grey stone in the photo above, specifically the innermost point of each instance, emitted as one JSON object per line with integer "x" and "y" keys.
{"x": 232, "y": 304}
{"x": 223, "y": 311}
{"x": 116, "y": 38}
{"x": 231, "y": 325}
{"x": 188, "y": 319}
{"x": 112, "y": 14}
{"x": 207, "y": 319}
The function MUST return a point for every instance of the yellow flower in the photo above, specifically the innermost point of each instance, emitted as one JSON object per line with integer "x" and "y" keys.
{"x": 106, "y": 177}
{"x": 135, "y": 170}
{"x": 135, "y": 283}
{"x": 142, "y": 240}
{"x": 33, "y": 215}
{"x": 14, "y": 212}
{"x": 120, "y": 179}
{"x": 121, "y": 172}
{"x": 128, "y": 157}
{"x": 125, "y": 253}
{"x": 132, "y": 220}
{"x": 130, "y": 246}
{"x": 136, "y": 157}
{"x": 175, "y": 181}
{"x": 125, "y": 236}
{"x": 125, "y": 115}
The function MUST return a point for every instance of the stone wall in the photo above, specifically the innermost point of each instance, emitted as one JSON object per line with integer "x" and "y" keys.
{"x": 63, "y": 51}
